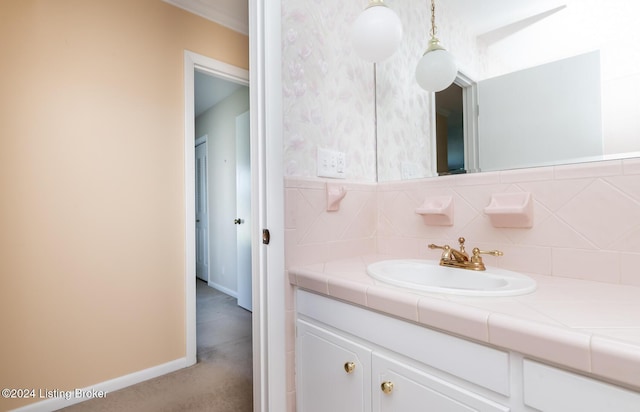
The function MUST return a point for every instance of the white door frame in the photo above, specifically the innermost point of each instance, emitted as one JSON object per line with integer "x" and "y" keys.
{"x": 265, "y": 57}
{"x": 267, "y": 201}
{"x": 193, "y": 61}
{"x": 470, "y": 124}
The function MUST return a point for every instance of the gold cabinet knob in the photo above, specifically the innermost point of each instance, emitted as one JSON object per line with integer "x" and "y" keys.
{"x": 387, "y": 387}
{"x": 349, "y": 367}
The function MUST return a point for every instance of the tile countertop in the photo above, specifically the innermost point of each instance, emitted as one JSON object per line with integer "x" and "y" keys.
{"x": 587, "y": 326}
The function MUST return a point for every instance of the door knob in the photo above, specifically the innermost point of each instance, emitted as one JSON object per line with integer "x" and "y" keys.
{"x": 238, "y": 221}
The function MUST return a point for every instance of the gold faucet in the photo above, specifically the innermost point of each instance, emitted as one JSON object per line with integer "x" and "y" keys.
{"x": 460, "y": 258}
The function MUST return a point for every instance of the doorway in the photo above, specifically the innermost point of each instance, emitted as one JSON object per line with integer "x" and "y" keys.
{"x": 455, "y": 125}
{"x": 450, "y": 131}
{"x": 223, "y": 185}
{"x": 235, "y": 78}
{"x": 269, "y": 311}
{"x": 221, "y": 157}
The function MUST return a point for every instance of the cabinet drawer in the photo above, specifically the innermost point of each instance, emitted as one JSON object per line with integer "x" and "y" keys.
{"x": 414, "y": 390}
{"x": 553, "y": 390}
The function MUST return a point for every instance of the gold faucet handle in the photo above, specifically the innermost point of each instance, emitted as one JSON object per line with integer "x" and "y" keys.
{"x": 446, "y": 250}
{"x": 477, "y": 252}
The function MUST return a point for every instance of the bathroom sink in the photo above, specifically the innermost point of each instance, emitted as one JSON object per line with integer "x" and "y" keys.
{"x": 429, "y": 276}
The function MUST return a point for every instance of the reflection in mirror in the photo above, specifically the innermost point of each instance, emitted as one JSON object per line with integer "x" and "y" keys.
{"x": 450, "y": 131}
{"x": 491, "y": 40}
{"x": 524, "y": 119}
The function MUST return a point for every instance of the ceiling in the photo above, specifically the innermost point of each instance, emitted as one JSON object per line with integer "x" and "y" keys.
{"x": 487, "y": 18}
{"x": 210, "y": 90}
{"x": 233, "y": 14}
{"x": 482, "y": 16}
{"x": 489, "y": 15}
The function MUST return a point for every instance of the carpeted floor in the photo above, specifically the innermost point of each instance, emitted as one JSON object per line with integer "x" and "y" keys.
{"x": 221, "y": 381}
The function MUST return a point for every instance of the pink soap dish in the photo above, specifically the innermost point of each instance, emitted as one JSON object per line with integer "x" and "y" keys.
{"x": 437, "y": 211}
{"x": 511, "y": 210}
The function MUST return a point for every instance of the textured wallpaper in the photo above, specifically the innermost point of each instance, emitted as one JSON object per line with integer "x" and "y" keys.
{"x": 328, "y": 91}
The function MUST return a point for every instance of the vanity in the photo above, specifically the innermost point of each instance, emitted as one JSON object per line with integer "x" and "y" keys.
{"x": 363, "y": 345}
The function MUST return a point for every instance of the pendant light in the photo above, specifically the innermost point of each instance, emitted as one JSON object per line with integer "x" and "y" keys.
{"x": 437, "y": 68}
{"x": 377, "y": 32}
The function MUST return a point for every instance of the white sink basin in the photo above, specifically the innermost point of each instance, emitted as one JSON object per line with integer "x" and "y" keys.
{"x": 429, "y": 276}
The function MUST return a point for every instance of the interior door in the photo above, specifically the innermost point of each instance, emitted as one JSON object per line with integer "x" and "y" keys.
{"x": 202, "y": 214}
{"x": 243, "y": 210}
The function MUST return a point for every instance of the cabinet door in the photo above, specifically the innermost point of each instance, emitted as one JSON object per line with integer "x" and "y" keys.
{"x": 332, "y": 373}
{"x": 414, "y": 390}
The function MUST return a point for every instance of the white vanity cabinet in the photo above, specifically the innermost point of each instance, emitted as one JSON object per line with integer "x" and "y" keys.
{"x": 351, "y": 359}
{"x": 337, "y": 374}
{"x": 366, "y": 369}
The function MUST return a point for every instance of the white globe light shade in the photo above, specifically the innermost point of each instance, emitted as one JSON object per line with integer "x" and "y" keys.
{"x": 436, "y": 70}
{"x": 376, "y": 33}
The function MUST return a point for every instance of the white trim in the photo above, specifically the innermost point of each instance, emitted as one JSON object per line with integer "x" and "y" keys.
{"x": 433, "y": 144}
{"x": 190, "y": 208}
{"x": 257, "y": 107}
{"x": 218, "y": 69}
{"x": 470, "y": 122}
{"x": 223, "y": 289}
{"x": 470, "y": 125}
{"x": 265, "y": 56}
{"x": 106, "y": 387}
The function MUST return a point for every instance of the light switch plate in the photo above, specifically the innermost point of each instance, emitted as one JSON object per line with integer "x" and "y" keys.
{"x": 331, "y": 163}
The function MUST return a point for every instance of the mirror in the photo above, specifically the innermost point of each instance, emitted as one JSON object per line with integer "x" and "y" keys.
{"x": 498, "y": 38}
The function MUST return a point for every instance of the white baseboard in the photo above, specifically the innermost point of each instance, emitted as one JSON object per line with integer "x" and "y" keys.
{"x": 223, "y": 289}
{"x": 62, "y": 399}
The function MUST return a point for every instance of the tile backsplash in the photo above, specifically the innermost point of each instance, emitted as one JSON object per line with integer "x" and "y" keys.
{"x": 586, "y": 220}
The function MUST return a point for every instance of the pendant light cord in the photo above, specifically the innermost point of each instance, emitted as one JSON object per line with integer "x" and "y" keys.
{"x": 433, "y": 19}
{"x": 375, "y": 118}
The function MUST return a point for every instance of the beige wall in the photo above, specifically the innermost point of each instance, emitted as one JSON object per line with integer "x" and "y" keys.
{"x": 91, "y": 178}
